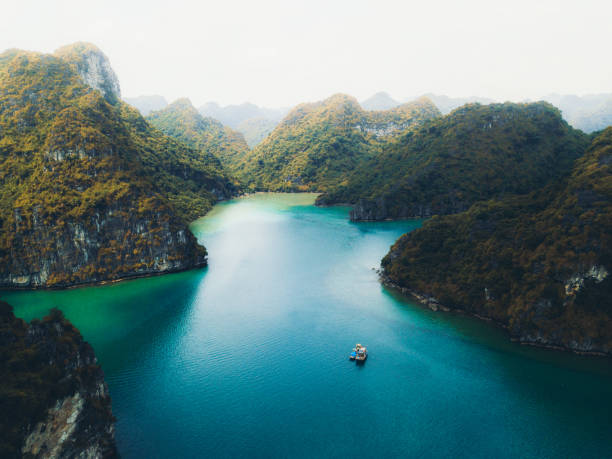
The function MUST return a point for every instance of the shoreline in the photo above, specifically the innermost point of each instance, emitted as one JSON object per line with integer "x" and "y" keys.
{"x": 101, "y": 282}
{"x": 126, "y": 277}
{"x": 433, "y": 304}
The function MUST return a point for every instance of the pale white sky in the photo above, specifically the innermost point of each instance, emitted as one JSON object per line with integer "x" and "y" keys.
{"x": 282, "y": 52}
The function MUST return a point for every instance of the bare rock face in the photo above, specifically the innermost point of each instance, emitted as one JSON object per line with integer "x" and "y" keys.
{"x": 111, "y": 243}
{"x": 369, "y": 210}
{"x": 54, "y": 389}
{"x": 94, "y": 69}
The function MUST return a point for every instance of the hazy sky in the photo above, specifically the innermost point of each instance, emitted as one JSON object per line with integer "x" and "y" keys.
{"x": 279, "y": 53}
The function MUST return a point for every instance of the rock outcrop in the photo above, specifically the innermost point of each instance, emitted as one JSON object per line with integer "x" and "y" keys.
{"x": 94, "y": 68}
{"x": 539, "y": 264}
{"x": 89, "y": 191}
{"x": 110, "y": 243}
{"x": 54, "y": 390}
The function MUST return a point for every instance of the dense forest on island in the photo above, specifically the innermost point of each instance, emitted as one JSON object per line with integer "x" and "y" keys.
{"x": 217, "y": 143}
{"x": 89, "y": 191}
{"x": 474, "y": 153}
{"x": 519, "y": 200}
{"x": 317, "y": 145}
{"x": 538, "y": 263}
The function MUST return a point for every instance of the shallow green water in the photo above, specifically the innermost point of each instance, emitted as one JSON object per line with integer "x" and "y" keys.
{"x": 249, "y": 356}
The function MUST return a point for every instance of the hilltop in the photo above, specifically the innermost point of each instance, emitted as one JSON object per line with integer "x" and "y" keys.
{"x": 317, "y": 145}
{"x": 474, "y": 153}
{"x": 252, "y": 121}
{"x": 447, "y": 104}
{"x": 182, "y": 121}
{"x": 88, "y": 190}
{"x": 538, "y": 263}
{"x": 380, "y": 101}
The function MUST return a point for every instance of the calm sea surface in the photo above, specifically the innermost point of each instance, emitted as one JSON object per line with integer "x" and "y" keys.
{"x": 249, "y": 357}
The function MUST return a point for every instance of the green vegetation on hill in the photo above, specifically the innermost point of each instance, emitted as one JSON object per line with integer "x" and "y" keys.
{"x": 182, "y": 121}
{"x": 476, "y": 152}
{"x": 88, "y": 190}
{"x": 538, "y": 263}
{"x": 318, "y": 145}
{"x": 192, "y": 180}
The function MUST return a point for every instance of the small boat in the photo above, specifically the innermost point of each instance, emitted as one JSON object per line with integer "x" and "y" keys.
{"x": 362, "y": 354}
{"x": 359, "y": 353}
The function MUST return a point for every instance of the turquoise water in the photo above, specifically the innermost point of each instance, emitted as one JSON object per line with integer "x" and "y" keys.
{"x": 248, "y": 357}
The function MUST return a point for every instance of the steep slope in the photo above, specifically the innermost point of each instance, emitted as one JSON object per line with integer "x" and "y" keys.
{"x": 476, "y": 152}
{"x": 193, "y": 181}
{"x": 88, "y": 190}
{"x": 183, "y": 122}
{"x": 93, "y": 67}
{"x": 53, "y": 396}
{"x": 317, "y": 145}
{"x": 379, "y": 101}
{"x": 539, "y": 264}
{"x": 147, "y": 104}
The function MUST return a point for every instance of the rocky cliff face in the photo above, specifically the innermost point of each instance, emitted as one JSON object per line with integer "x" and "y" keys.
{"x": 94, "y": 68}
{"x": 377, "y": 209}
{"x": 89, "y": 191}
{"x": 110, "y": 243}
{"x": 54, "y": 390}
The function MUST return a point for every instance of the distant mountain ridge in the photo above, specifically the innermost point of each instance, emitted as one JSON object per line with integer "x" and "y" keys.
{"x": 147, "y": 104}
{"x": 447, "y": 104}
{"x": 592, "y": 112}
{"x": 256, "y": 129}
{"x": 182, "y": 121}
{"x": 254, "y": 122}
{"x": 233, "y": 115}
{"x": 380, "y": 101}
